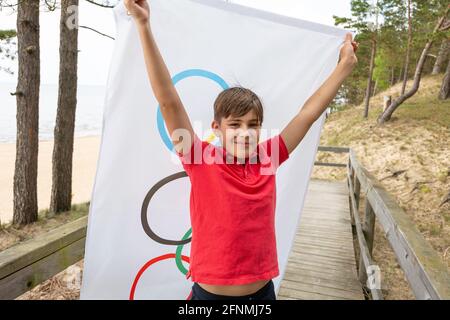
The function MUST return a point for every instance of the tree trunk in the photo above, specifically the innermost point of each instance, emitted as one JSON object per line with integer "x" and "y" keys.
{"x": 387, "y": 114}
{"x": 61, "y": 196}
{"x": 25, "y": 207}
{"x": 392, "y": 76}
{"x": 401, "y": 74}
{"x": 442, "y": 57}
{"x": 369, "y": 79}
{"x": 408, "y": 50}
{"x": 375, "y": 87}
{"x": 444, "y": 94}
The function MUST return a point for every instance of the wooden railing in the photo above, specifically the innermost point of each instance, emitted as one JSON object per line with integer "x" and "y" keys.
{"x": 26, "y": 265}
{"x": 334, "y": 150}
{"x": 425, "y": 272}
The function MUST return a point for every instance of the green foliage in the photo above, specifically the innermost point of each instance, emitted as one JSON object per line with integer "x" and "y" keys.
{"x": 382, "y": 71}
{"x": 6, "y": 34}
{"x": 391, "y": 39}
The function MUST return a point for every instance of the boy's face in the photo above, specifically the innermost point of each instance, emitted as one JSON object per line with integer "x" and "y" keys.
{"x": 238, "y": 135}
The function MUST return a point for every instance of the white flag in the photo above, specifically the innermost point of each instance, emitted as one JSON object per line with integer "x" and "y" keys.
{"x": 208, "y": 45}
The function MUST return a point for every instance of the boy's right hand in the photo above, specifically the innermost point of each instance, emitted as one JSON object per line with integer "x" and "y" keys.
{"x": 139, "y": 10}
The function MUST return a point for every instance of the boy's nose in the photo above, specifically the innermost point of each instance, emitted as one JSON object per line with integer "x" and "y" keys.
{"x": 243, "y": 138}
{"x": 242, "y": 132}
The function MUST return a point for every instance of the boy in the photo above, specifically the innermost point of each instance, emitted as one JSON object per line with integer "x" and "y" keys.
{"x": 232, "y": 204}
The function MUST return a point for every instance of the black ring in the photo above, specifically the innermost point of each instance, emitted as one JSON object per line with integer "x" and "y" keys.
{"x": 144, "y": 219}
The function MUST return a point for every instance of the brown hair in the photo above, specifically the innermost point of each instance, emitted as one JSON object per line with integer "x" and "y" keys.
{"x": 237, "y": 101}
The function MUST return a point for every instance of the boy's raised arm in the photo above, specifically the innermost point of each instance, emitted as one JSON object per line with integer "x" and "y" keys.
{"x": 172, "y": 109}
{"x": 297, "y": 128}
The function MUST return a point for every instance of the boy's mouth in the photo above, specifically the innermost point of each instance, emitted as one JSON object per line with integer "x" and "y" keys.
{"x": 243, "y": 144}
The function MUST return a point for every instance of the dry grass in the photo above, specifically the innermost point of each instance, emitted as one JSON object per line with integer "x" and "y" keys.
{"x": 416, "y": 140}
{"x": 11, "y": 235}
{"x": 65, "y": 285}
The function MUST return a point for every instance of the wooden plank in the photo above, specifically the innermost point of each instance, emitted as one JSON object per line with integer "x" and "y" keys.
{"x": 332, "y": 189}
{"x": 323, "y": 266}
{"x": 309, "y": 213}
{"x": 305, "y": 230}
{"x": 339, "y": 245}
{"x": 331, "y": 223}
{"x": 27, "y": 278}
{"x": 331, "y": 213}
{"x": 330, "y": 252}
{"x": 301, "y": 295}
{"x": 313, "y": 272}
{"x": 322, "y": 289}
{"x": 325, "y": 243}
{"x": 310, "y": 256}
{"x": 326, "y": 240}
{"x": 352, "y": 286}
{"x": 364, "y": 250}
{"x": 305, "y": 267}
{"x": 334, "y": 149}
{"x": 281, "y": 297}
{"x": 325, "y": 225}
{"x": 368, "y": 230}
{"x": 324, "y": 231}
{"x": 305, "y": 295}
{"x": 340, "y": 251}
{"x": 28, "y": 252}
{"x": 330, "y": 164}
{"x": 333, "y": 251}
{"x": 339, "y": 210}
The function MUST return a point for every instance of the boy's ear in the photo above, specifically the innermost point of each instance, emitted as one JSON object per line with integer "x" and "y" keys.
{"x": 215, "y": 126}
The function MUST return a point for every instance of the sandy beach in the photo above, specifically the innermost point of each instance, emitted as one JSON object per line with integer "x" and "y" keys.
{"x": 86, "y": 150}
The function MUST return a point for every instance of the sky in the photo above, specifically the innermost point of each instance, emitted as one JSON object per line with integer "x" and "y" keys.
{"x": 95, "y": 50}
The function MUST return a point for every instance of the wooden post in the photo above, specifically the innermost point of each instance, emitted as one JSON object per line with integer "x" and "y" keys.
{"x": 368, "y": 230}
{"x": 357, "y": 185}
{"x": 350, "y": 181}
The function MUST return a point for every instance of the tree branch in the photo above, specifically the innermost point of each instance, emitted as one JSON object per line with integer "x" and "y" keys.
{"x": 103, "y": 34}
{"x": 100, "y": 5}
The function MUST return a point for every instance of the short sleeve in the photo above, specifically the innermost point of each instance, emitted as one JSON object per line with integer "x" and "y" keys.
{"x": 194, "y": 155}
{"x": 273, "y": 152}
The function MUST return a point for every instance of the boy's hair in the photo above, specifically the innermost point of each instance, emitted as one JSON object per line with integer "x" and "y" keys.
{"x": 237, "y": 101}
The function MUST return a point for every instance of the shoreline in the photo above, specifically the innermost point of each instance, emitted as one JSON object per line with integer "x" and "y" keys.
{"x": 47, "y": 140}
{"x": 85, "y": 155}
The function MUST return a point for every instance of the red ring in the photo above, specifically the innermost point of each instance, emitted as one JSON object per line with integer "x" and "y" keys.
{"x": 148, "y": 264}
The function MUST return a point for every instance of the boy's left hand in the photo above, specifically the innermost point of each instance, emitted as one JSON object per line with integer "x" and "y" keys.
{"x": 348, "y": 50}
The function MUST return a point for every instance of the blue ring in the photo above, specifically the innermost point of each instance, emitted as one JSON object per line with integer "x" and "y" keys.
{"x": 180, "y": 76}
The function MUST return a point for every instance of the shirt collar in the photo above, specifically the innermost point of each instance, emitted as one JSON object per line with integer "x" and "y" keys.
{"x": 232, "y": 159}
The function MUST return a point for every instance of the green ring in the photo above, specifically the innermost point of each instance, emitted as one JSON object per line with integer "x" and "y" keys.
{"x": 178, "y": 260}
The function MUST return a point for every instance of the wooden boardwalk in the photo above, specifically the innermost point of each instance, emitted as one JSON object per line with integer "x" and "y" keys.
{"x": 322, "y": 263}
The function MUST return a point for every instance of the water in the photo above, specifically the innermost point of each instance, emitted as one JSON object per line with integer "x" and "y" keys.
{"x": 88, "y": 120}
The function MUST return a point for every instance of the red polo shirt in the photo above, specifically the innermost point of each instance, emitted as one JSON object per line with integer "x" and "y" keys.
{"x": 232, "y": 211}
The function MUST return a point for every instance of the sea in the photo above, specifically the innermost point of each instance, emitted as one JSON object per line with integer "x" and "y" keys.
{"x": 88, "y": 119}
